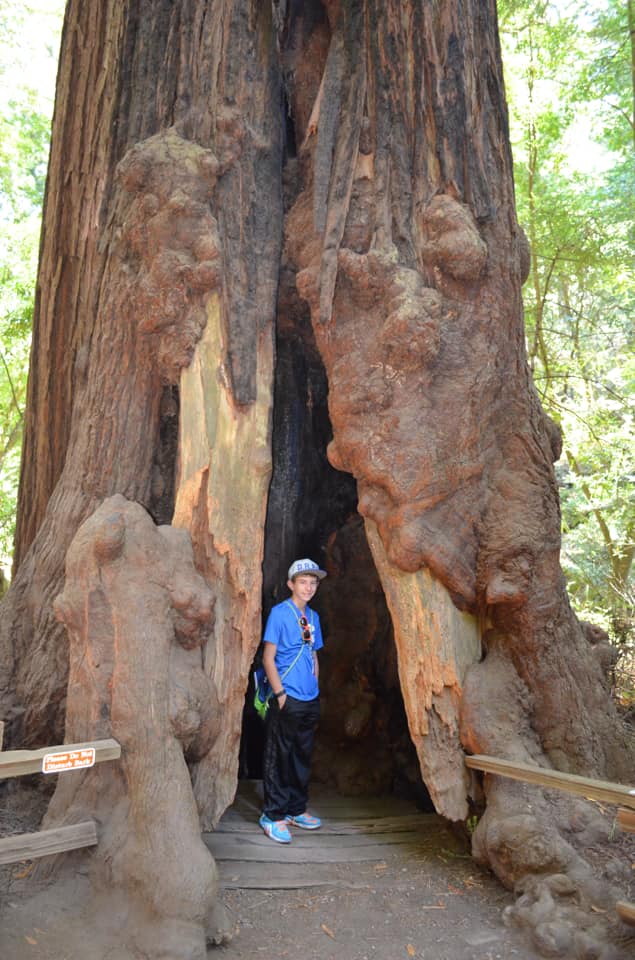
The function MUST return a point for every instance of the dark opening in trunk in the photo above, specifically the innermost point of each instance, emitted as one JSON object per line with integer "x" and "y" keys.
{"x": 363, "y": 744}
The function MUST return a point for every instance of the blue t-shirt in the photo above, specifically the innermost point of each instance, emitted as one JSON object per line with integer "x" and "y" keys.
{"x": 284, "y": 631}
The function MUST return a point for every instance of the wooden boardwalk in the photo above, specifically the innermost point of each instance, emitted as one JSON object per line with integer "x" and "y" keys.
{"x": 354, "y": 830}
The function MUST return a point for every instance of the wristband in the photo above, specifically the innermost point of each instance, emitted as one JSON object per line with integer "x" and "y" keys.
{"x": 280, "y": 693}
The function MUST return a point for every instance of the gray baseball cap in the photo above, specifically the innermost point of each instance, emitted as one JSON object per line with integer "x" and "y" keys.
{"x": 306, "y": 567}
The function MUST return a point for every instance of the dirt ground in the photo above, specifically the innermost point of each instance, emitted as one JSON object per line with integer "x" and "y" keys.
{"x": 439, "y": 906}
{"x": 436, "y": 910}
{"x": 445, "y": 909}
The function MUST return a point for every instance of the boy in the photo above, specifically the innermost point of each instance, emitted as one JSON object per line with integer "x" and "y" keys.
{"x": 291, "y": 641}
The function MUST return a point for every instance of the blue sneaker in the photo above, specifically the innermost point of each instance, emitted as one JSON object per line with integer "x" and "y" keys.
{"x": 304, "y": 820}
{"x": 275, "y": 829}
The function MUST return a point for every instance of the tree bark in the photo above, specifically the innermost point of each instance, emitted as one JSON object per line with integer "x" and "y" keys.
{"x": 125, "y": 577}
{"x": 134, "y": 265}
{"x": 352, "y": 159}
{"x": 416, "y": 308}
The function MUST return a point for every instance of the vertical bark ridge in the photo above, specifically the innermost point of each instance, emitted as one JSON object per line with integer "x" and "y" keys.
{"x": 70, "y": 260}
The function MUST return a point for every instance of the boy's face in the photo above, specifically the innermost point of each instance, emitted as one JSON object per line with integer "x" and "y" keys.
{"x": 303, "y": 587}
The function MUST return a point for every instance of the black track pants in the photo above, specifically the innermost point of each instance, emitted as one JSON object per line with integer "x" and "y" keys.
{"x": 289, "y": 737}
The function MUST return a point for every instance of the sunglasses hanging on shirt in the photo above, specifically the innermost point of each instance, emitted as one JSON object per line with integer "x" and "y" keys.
{"x": 307, "y": 629}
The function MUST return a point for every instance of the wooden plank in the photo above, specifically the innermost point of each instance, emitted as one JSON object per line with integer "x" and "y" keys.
{"x": 280, "y": 876}
{"x": 626, "y": 912}
{"x": 30, "y": 846}
{"x": 226, "y": 847}
{"x": 344, "y": 813}
{"x": 18, "y": 763}
{"x": 375, "y": 830}
{"x": 349, "y": 814}
{"x": 424, "y": 822}
{"x": 310, "y": 839}
{"x": 626, "y": 819}
{"x": 571, "y": 783}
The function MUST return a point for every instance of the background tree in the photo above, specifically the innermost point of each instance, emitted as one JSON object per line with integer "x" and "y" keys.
{"x": 569, "y": 75}
{"x": 28, "y": 35}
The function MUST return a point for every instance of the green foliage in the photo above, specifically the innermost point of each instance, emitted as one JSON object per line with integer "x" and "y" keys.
{"x": 24, "y": 141}
{"x": 606, "y": 78}
{"x": 578, "y": 209}
{"x": 472, "y": 823}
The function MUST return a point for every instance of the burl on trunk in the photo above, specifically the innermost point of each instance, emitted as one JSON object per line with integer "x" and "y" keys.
{"x": 137, "y": 615}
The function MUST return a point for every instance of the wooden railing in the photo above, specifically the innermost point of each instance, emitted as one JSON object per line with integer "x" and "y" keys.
{"x": 582, "y": 786}
{"x": 602, "y": 790}
{"x": 52, "y": 760}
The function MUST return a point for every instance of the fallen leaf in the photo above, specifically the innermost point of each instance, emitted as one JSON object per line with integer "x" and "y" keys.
{"x": 472, "y": 882}
{"x": 328, "y": 931}
{"x": 23, "y": 873}
{"x": 597, "y": 909}
{"x": 31, "y": 941}
{"x": 411, "y": 950}
{"x": 452, "y": 889}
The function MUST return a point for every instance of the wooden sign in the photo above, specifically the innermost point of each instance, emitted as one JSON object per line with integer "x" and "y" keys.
{"x": 18, "y": 763}
{"x": 68, "y": 760}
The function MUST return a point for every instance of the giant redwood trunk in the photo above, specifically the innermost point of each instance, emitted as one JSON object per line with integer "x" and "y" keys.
{"x": 312, "y": 200}
{"x": 162, "y": 228}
